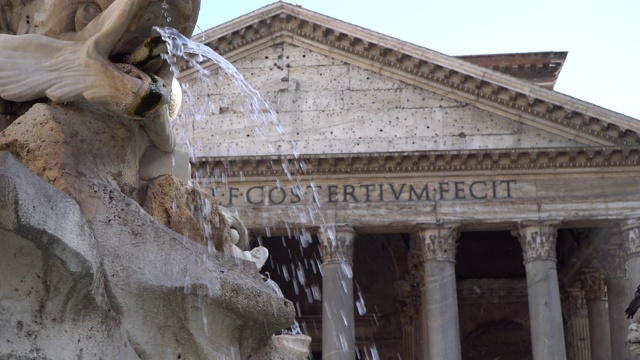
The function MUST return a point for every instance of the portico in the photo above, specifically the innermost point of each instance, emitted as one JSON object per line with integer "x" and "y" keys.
{"x": 438, "y": 207}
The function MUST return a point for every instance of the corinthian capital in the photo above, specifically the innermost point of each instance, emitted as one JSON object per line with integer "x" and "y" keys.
{"x": 631, "y": 236}
{"x": 593, "y": 284}
{"x": 336, "y": 244}
{"x": 537, "y": 239}
{"x": 439, "y": 241}
{"x": 574, "y": 304}
{"x": 612, "y": 261}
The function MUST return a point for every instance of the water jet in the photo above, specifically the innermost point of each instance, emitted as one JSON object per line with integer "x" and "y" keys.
{"x": 107, "y": 252}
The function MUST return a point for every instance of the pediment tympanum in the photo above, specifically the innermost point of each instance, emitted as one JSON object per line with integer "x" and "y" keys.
{"x": 330, "y": 106}
{"x": 343, "y": 49}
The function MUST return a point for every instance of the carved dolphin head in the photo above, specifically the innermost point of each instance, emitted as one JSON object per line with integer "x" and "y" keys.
{"x": 101, "y": 51}
{"x": 54, "y": 18}
{"x": 81, "y": 20}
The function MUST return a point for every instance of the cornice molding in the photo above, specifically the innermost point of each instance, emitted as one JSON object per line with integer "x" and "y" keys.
{"x": 443, "y": 74}
{"x": 454, "y": 161}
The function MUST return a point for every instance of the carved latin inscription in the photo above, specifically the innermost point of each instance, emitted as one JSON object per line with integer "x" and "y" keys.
{"x": 267, "y": 195}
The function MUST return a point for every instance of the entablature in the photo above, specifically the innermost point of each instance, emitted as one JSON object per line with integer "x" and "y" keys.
{"x": 545, "y": 159}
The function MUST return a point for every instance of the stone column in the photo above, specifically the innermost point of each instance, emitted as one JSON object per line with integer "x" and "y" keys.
{"x": 439, "y": 294}
{"x": 410, "y": 290}
{"x": 575, "y": 312}
{"x": 612, "y": 261}
{"x": 631, "y": 240}
{"x": 538, "y": 241}
{"x": 595, "y": 294}
{"x": 338, "y": 331}
{"x": 409, "y": 305}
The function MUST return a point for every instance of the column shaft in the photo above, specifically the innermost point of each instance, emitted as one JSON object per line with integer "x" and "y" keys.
{"x": 338, "y": 335}
{"x": 545, "y": 312}
{"x": 631, "y": 241}
{"x": 618, "y": 295}
{"x": 424, "y": 325}
{"x": 595, "y": 294}
{"x": 575, "y": 312}
{"x": 408, "y": 338}
{"x": 630, "y": 230}
{"x": 410, "y": 293}
{"x": 633, "y": 268}
{"x": 441, "y": 303}
{"x": 338, "y": 331}
{"x": 613, "y": 262}
{"x": 599, "y": 336}
{"x": 439, "y": 295}
{"x": 538, "y": 241}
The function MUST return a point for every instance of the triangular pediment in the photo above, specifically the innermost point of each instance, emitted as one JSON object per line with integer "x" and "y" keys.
{"x": 487, "y": 93}
{"x": 328, "y": 106}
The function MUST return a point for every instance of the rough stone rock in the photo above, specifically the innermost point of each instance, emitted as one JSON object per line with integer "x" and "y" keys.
{"x": 62, "y": 145}
{"x": 633, "y": 338}
{"x": 68, "y": 51}
{"x": 293, "y": 346}
{"x": 54, "y": 299}
{"x": 99, "y": 277}
{"x": 86, "y": 272}
{"x": 65, "y": 145}
{"x": 187, "y": 211}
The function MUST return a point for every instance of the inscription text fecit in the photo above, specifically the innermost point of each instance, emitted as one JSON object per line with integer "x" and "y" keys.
{"x": 368, "y": 193}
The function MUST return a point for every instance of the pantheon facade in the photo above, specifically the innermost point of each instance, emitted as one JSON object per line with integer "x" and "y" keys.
{"x": 418, "y": 205}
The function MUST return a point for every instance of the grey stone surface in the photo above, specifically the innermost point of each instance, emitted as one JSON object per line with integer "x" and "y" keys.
{"x": 71, "y": 60}
{"x": 440, "y": 307}
{"x": 618, "y": 296}
{"x": 338, "y": 322}
{"x": 599, "y": 336}
{"x": 547, "y": 335}
{"x": 155, "y": 162}
{"x": 101, "y": 278}
{"x": 52, "y": 285}
{"x": 329, "y": 106}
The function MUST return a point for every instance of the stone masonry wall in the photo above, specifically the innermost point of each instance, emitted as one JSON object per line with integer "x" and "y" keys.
{"x": 328, "y": 106}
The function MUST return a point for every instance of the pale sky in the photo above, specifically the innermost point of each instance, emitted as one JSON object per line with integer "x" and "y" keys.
{"x": 602, "y": 37}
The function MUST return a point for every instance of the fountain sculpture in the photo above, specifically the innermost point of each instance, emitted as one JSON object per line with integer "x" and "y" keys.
{"x": 102, "y": 253}
{"x": 633, "y": 338}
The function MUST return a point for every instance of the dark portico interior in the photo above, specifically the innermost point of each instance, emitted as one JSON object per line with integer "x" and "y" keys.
{"x": 492, "y": 290}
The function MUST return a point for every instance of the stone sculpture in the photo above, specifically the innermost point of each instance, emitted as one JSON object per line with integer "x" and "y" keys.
{"x": 633, "y": 338}
{"x": 64, "y": 52}
{"x": 102, "y": 263}
{"x": 103, "y": 55}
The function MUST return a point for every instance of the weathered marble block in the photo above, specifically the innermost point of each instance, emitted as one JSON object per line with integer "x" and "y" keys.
{"x": 105, "y": 279}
